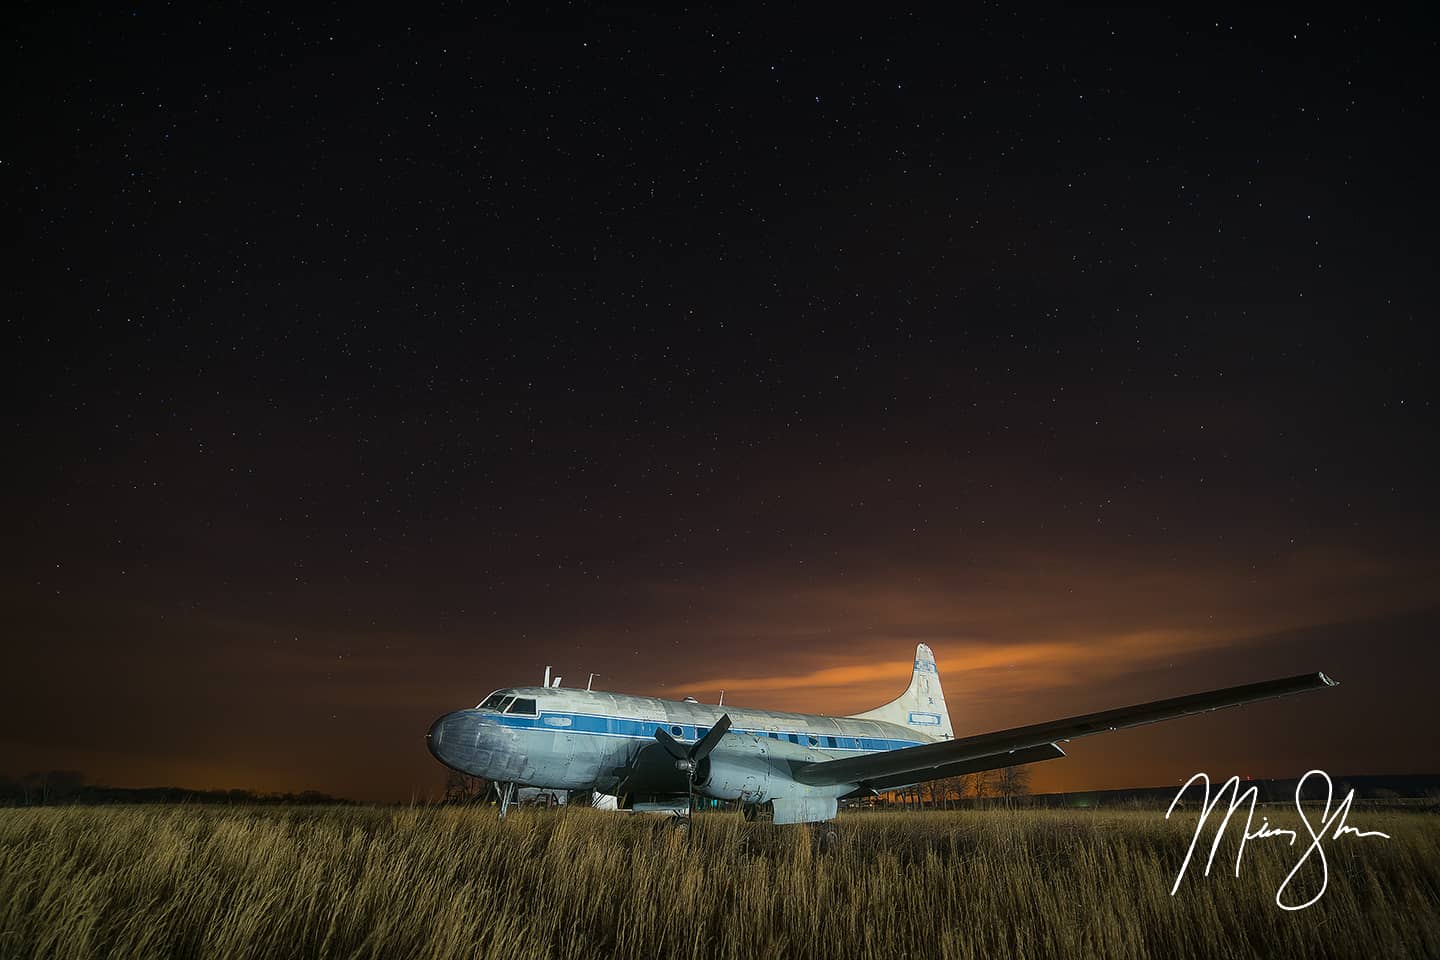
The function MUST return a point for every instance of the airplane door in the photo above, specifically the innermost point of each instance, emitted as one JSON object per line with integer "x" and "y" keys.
{"x": 561, "y": 751}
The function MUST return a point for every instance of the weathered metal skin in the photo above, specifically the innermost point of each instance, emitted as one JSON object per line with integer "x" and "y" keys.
{"x": 591, "y": 740}
{"x": 471, "y": 742}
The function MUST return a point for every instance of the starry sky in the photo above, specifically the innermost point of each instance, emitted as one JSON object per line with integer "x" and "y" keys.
{"x": 360, "y": 365}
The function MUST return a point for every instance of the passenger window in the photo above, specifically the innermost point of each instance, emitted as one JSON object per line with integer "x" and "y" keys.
{"x": 701, "y": 732}
{"x": 521, "y": 705}
{"x": 677, "y": 731}
{"x": 794, "y": 738}
{"x": 813, "y": 740}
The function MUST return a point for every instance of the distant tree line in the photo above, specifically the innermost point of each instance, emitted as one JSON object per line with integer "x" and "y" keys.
{"x": 1003, "y": 787}
{"x": 463, "y": 788}
{"x": 70, "y": 787}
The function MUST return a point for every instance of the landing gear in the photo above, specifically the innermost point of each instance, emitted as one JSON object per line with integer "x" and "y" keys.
{"x": 750, "y": 811}
{"x": 505, "y": 792}
{"x": 827, "y": 837}
{"x": 679, "y": 824}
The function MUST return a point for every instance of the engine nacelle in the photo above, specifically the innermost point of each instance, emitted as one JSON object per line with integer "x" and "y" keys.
{"x": 740, "y": 772}
{"x": 756, "y": 769}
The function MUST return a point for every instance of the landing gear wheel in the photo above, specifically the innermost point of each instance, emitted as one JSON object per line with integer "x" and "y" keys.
{"x": 827, "y": 838}
{"x": 750, "y": 811}
{"x": 679, "y": 825}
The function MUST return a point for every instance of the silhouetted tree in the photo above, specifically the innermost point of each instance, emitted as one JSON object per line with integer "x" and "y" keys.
{"x": 979, "y": 785}
{"x": 1012, "y": 782}
{"x": 945, "y": 790}
{"x": 463, "y": 788}
{"x": 50, "y": 786}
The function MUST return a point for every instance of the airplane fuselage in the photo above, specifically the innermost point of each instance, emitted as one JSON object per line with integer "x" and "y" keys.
{"x": 568, "y": 739}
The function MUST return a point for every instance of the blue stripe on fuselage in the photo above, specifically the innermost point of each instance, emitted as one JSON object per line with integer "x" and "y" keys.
{"x": 595, "y": 725}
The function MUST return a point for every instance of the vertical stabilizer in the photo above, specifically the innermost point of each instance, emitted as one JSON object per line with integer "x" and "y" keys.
{"x": 922, "y": 706}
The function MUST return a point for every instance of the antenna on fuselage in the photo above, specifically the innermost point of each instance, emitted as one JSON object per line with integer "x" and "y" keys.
{"x": 722, "y": 699}
{"x": 556, "y": 684}
{"x": 547, "y": 676}
{"x": 590, "y": 681}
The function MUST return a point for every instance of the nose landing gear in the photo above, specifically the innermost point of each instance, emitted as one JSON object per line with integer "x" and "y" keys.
{"x": 505, "y": 792}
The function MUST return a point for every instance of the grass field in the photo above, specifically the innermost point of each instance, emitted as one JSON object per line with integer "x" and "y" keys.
{"x": 448, "y": 882}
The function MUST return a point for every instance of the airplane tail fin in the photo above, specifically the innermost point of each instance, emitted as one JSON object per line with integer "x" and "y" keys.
{"x": 922, "y": 706}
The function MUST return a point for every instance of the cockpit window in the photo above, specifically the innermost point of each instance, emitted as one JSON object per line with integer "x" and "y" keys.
{"x": 523, "y": 705}
{"x": 493, "y": 701}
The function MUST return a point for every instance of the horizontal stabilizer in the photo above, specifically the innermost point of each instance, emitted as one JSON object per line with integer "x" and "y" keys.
{"x": 931, "y": 756}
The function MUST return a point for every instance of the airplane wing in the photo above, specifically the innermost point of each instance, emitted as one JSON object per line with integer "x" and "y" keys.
{"x": 994, "y": 761}
{"x": 1006, "y": 748}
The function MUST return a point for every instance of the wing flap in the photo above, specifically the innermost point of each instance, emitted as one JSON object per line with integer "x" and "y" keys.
{"x": 912, "y": 760}
{"x": 992, "y": 762}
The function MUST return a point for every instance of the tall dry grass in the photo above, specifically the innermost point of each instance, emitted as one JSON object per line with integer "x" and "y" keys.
{"x": 375, "y": 882}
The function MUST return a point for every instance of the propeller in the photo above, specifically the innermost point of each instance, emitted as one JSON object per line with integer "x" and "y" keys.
{"x": 688, "y": 760}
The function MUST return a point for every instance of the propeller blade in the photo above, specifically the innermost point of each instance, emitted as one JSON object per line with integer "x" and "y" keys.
{"x": 702, "y": 749}
{"x": 672, "y": 746}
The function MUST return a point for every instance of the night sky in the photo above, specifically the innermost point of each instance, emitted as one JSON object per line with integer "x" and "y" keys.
{"x": 359, "y": 365}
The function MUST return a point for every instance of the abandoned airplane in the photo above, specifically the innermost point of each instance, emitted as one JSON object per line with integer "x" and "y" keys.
{"x": 659, "y": 754}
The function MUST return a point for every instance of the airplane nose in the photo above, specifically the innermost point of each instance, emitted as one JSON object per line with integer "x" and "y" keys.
{"x": 458, "y": 741}
{"x": 435, "y": 738}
